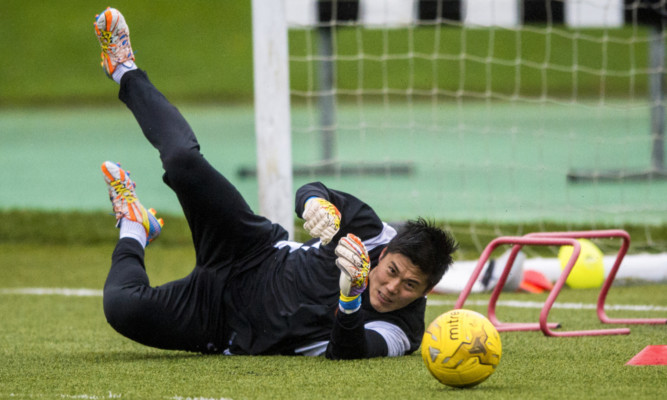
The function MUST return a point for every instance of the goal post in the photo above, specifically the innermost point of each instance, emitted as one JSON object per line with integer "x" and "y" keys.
{"x": 272, "y": 112}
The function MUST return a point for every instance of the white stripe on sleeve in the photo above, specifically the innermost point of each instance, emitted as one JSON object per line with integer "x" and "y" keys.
{"x": 383, "y": 238}
{"x": 397, "y": 341}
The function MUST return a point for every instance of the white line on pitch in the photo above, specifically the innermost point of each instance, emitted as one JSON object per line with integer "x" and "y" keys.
{"x": 102, "y": 397}
{"x": 506, "y": 303}
{"x": 53, "y": 291}
{"x": 63, "y": 396}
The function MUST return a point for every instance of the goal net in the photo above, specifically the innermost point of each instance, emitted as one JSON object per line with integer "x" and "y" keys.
{"x": 494, "y": 116}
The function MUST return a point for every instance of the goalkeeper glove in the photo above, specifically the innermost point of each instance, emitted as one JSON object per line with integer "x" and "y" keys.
{"x": 354, "y": 264}
{"x": 322, "y": 219}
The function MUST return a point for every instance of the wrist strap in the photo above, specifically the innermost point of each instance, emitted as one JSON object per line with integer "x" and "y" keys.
{"x": 348, "y": 304}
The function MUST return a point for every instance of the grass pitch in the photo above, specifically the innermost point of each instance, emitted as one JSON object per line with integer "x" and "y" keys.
{"x": 56, "y": 346}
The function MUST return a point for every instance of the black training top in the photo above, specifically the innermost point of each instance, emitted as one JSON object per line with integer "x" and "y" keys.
{"x": 291, "y": 299}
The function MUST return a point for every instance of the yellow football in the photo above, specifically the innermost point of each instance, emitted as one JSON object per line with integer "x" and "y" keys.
{"x": 461, "y": 348}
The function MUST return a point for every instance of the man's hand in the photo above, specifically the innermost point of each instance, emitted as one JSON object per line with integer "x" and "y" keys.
{"x": 354, "y": 264}
{"x": 322, "y": 219}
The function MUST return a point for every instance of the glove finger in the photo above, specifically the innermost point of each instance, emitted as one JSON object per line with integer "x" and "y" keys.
{"x": 328, "y": 233}
{"x": 322, "y": 232}
{"x": 315, "y": 227}
{"x": 322, "y": 225}
{"x": 308, "y": 213}
{"x": 346, "y": 267}
{"x": 355, "y": 242}
{"x": 345, "y": 243}
{"x": 315, "y": 231}
{"x": 312, "y": 222}
{"x": 308, "y": 225}
{"x": 359, "y": 248}
{"x": 352, "y": 247}
{"x": 351, "y": 256}
{"x": 313, "y": 215}
{"x": 355, "y": 239}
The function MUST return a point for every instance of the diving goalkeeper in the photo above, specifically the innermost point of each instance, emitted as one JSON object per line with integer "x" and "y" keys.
{"x": 356, "y": 290}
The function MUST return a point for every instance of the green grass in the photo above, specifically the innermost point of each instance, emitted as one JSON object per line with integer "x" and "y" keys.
{"x": 55, "y": 347}
{"x": 202, "y": 51}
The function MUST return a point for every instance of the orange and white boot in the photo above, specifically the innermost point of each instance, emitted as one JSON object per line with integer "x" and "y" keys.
{"x": 126, "y": 205}
{"x": 114, "y": 37}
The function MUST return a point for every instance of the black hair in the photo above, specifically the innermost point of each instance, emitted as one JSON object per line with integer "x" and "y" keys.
{"x": 427, "y": 246}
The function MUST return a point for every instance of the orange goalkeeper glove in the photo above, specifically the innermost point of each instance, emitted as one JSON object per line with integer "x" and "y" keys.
{"x": 354, "y": 264}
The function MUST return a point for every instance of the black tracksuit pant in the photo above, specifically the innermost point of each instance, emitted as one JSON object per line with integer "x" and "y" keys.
{"x": 228, "y": 237}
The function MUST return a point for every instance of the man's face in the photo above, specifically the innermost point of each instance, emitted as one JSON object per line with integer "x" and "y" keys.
{"x": 395, "y": 282}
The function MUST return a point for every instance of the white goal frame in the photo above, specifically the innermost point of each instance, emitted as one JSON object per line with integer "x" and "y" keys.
{"x": 272, "y": 112}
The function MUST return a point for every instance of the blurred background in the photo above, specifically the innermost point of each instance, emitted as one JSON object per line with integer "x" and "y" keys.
{"x": 60, "y": 117}
{"x": 490, "y": 120}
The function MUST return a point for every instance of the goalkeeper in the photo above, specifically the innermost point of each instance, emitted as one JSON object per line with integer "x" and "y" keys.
{"x": 357, "y": 290}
